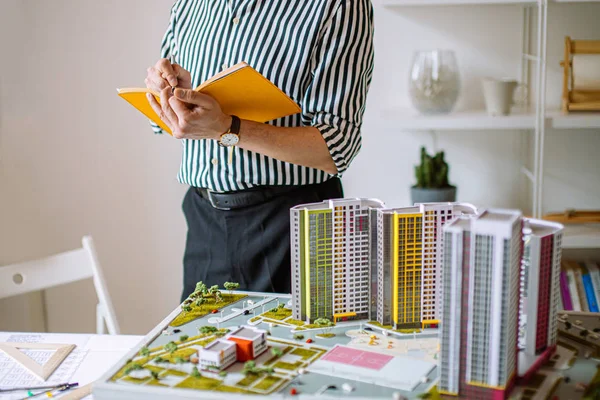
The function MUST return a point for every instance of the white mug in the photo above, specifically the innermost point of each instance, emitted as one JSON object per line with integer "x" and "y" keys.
{"x": 499, "y": 95}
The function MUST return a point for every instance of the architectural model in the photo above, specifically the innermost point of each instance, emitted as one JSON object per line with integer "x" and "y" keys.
{"x": 356, "y": 259}
{"x": 434, "y": 299}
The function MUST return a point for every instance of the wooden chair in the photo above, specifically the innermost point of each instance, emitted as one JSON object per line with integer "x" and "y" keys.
{"x": 578, "y": 99}
{"x": 60, "y": 269}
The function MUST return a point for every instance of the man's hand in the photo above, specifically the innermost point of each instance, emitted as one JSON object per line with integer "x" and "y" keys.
{"x": 164, "y": 74}
{"x": 190, "y": 115}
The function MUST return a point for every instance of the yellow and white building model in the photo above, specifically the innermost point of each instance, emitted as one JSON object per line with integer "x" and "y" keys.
{"x": 356, "y": 259}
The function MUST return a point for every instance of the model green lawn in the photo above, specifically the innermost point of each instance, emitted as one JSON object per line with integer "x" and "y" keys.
{"x": 281, "y": 316}
{"x": 182, "y": 350}
{"x": 210, "y": 304}
{"x": 265, "y": 378}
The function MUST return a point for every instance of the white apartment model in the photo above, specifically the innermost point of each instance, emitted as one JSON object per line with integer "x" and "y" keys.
{"x": 482, "y": 261}
{"x": 330, "y": 259}
{"x": 409, "y": 246}
{"x": 354, "y": 259}
{"x": 541, "y": 284}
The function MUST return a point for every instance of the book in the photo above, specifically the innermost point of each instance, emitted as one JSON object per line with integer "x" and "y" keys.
{"x": 240, "y": 90}
{"x": 595, "y": 278}
{"x": 564, "y": 291}
{"x": 572, "y": 288}
{"x": 579, "y": 286}
{"x": 589, "y": 292}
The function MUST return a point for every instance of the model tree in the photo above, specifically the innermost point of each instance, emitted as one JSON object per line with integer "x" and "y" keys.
{"x": 195, "y": 373}
{"x": 144, "y": 351}
{"x": 170, "y": 347}
{"x": 207, "y": 329}
{"x": 199, "y": 301}
{"x": 154, "y": 375}
{"x": 133, "y": 367}
{"x": 231, "y": 286}
{"x": 179, "y": 361}
{"x": 276, "y": 351}
{"x": 215, "y": 292}
{"x": 183, "y": 338}
{"x": 325, "y": 324}
{"x": 250, "y": 368}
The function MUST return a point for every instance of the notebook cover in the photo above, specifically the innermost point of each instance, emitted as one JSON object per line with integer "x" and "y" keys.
{"x": 240, "y": 90}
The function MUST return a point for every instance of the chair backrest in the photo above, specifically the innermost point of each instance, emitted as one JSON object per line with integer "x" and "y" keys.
{"x": 60, "y": 269}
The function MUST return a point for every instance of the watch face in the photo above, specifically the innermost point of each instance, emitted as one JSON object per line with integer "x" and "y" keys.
{"x": 229, "y": 139}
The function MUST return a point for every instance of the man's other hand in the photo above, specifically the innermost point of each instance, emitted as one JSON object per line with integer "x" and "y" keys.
{"x": 191, "y": 115}
{"x": 164, "y": 74}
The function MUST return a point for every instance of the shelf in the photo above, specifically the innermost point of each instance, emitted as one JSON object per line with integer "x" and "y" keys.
{"x": 575, "y": 120}
{"x": 581, "y": 236}
{"x": 412, "y": 3}
{"x": 470, "y": 120}
{"x": 576, "y": 1}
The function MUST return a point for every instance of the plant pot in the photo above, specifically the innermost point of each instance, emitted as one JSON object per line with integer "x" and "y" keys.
{"x": 443, "y": 195}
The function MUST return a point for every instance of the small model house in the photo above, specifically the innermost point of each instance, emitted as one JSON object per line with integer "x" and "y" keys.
{"x": 220, "y": 354}
{"x": 251, "y": 342}
{"x": 242, "y": 344}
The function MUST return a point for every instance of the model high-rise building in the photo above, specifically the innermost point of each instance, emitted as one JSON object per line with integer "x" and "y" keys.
{"x": 399, "y": 265}
{"x": 330, "y": 259}
{"x": 435, "y": 216}
{"x": 482, "y": 261}
{"x": 541, "y": 286}
{"x": 409, "y": 245}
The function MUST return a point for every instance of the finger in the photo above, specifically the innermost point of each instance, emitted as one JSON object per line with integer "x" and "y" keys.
{"x": 156, "y": 85}
{"x": 184, "y": 77}
{"x": 157, "y": 75}
{"x": 166, "y": 70}
{"x": 165, "y": 95}
{"x": 180, "y": 108}
{"x": 158, "y": 110}
{"x": 193, "y": 97}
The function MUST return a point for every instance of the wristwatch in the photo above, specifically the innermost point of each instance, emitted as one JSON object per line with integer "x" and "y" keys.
{"x": 232, "y": 136}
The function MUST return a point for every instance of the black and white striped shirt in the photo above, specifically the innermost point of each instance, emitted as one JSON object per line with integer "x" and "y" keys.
{"x": 319, "y": 52}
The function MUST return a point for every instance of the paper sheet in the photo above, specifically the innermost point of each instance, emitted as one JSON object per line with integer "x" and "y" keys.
{"x": 12, "y": 374}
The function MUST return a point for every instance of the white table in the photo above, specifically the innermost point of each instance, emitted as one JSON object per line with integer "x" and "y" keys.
{"x": 101, "y": 351}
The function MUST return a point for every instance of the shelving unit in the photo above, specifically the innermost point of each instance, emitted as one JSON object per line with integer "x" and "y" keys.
{"x": 412, "y": 3}
{"x": 537, "y": 120}
{"x": 581, "y": 237}
{"x": 410, "y": 120}
{"x": 558, "y": 120}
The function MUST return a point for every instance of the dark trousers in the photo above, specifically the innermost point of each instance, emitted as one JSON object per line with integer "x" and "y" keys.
{"x": 250, "y": 245}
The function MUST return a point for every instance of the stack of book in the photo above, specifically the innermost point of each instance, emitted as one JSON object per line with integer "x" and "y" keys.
{"x": 580, "y": 286}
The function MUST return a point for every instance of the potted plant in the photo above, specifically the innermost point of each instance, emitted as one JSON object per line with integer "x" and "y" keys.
{"x": 432, "y": 180}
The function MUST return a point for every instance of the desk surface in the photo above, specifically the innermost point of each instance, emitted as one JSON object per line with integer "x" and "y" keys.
{"x": 98, "y": 352}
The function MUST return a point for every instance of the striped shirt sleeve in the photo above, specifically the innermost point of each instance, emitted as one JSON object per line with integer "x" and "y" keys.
{"x": 342, "y": 69}
{"x": 167, "y": 49}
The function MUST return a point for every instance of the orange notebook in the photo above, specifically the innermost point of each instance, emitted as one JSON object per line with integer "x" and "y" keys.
{"x": 240, "y": 90}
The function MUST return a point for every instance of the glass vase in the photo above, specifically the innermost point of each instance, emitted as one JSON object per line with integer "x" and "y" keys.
{"x": 434, "y": 81}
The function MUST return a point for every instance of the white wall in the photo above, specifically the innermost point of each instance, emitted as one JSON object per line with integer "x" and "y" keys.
{"x": 75, "y": 160}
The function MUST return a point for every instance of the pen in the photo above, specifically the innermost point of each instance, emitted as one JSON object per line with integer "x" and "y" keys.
{"x": 172, "y": 60}
{"x": 18, "y": 389}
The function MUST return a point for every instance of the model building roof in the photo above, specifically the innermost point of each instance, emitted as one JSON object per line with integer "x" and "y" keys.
{"x": 219, "y": 345}
{"x": 499, "y": 215}
{"x": 543, "y": 228}
{"x": 245, "y": 332}
{"x": 329, "y": 204}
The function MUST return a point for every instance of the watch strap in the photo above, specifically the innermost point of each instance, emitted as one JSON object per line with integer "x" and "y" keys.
{"x": 235, "y": 125}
